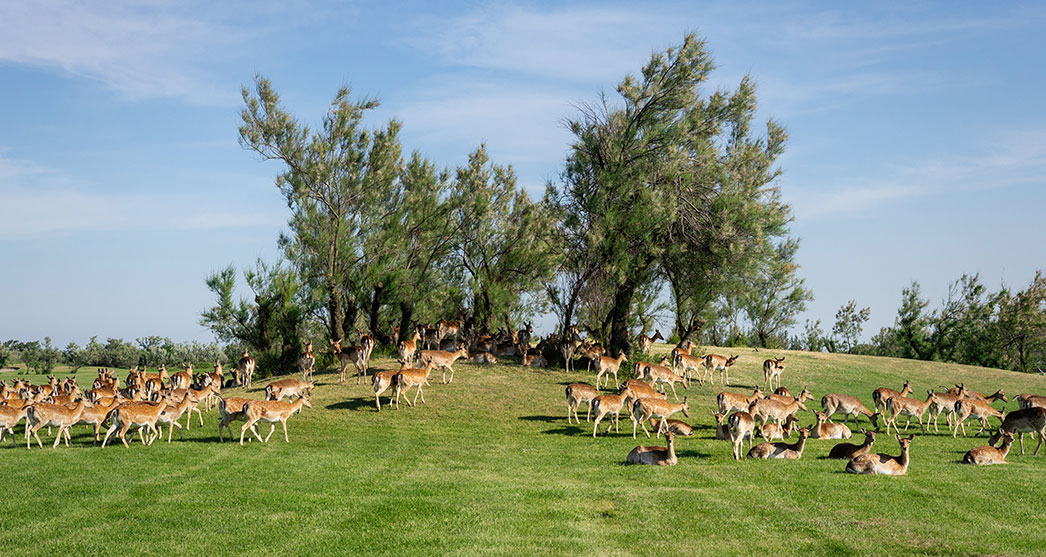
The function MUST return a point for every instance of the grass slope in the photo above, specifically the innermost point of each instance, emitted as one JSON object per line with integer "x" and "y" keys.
{"x": 490, "y": 466}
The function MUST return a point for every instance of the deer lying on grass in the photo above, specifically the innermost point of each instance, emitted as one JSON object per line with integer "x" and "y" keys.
{"x": 879, "y": 463}
{"x": 883, "y": 394}
{"x": 646, "y": 408}
{"x": 772, "y": 431}
{"x": 1023, "y": 421}
{"x": 656, "y": 456}
{"x": 404, "y": 379}
{"x": 677, "y": 427}
{"x": 272, "y": 412}
{"x": 443, "y": 360}
{"x": 848, "y": 406}
{"x": 578, "y": 393}
{"x": 789, "y": 451}
{"x": 740, "y": 425}
{"x": 772, "y": 369}
{"x": 606, "y": 366}
{"x": 483, "y": 357}
{"x": 287, "y": 388}
{"x": 987, "y": 454}
{"x": 608, "y": 404}
{"x": 848, "y": 451}
{"x": 825, "y": 430}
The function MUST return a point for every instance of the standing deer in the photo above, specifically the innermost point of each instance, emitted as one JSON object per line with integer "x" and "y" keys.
{"x": 715, "y": 362}
{"x": 272, "y": 412}
{"x": 881, "y": 395}
{"x": 443, "y": 360}
{"x": 772, "y": 369}
{"x": 246, "y": 369}
{"x": 608, "y": 404}
{"x": 607, "y": 366}
{"x": 645, "y": 342}
{"x": 848, "y": 406}
{"x": 646, "y": 408}
{"x": 578, "y": 393}
{"x": 1023, "y": 421}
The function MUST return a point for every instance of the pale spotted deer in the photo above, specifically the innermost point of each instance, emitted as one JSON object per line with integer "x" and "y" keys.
{"x": 788, "y": 451}
{"x": 880, "y": 463}
{"x": 772, "y": 369}
{"x": 576, "y": 394}
{"x": 443, "y": 360}
{"x": 988, "y": 454}
{"x": 272, "y": 412}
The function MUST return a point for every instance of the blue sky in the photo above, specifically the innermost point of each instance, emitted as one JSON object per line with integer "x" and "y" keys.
{"x": 917, "y": 133}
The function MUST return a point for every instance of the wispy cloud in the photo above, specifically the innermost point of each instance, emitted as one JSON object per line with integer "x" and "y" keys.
{"x": 156, "y": 49}
{"x": 38, "y": 201}
{"x": 1012, "y": 159}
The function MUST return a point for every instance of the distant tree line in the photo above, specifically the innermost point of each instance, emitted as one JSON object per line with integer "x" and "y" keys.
{"x": 973, "y": 325}
{"x": 667, "y": 209}
{"x": 151, "y": 351}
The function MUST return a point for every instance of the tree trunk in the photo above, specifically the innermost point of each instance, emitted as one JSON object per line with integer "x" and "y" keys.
{"x": 620, "y": 339}
{"x": 375, "y": 305}
{"x": 406, "y": 314}
{"x": 334, "y": 312}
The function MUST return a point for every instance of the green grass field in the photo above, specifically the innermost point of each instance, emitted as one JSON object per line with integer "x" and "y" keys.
{"x": 490, "y": 466}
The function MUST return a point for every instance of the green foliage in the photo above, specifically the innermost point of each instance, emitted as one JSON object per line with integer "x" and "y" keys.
{"x": 775, "y": 295}
{"x": 504, "y": 240}
{"x": 671, "y": 186}
{"x": 848, "y": 324}
{"x": 332, "y": 177}
{"x": 270, "y": 326}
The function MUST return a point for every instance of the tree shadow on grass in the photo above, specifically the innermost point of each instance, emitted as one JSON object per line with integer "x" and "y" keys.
{"x": 569, "y": 430}
{"x": 547, "y": 419}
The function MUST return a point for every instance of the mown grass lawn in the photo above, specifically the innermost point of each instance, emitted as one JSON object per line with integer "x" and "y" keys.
{"x": 490, "y": 466}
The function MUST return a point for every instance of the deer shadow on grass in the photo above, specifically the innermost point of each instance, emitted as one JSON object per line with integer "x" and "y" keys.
{"x": 356, "y": 404}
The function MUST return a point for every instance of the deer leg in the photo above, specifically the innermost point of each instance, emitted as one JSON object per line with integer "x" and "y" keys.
{"x": 272, "y": 428}
{"x": 673, "y": 385}
{"x": 285, "y": 438}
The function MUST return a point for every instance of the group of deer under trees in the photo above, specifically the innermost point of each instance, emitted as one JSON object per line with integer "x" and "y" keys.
{"x": 667, "y": 193}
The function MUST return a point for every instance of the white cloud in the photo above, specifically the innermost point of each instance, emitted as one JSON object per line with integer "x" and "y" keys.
{"x": 36, "y": 201}
{"x": 157, "y": 49}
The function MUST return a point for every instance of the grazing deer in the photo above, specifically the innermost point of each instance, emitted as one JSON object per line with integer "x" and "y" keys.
{"x": 382, "y": 380}
{"x": 645, "y": 342}
{"x": 879, "y": 463}
{"x": 715, "y": 362}
{"x": 483, "y": 357}
{"x": 908, "y": 407}
{"x": 789, "y": 451}
{"x": 272, "y": 412}
{"x": 443, "y": 360}
{"x": 987, "y": 454}
{"x": 824, "y": 430}
{"x": 979, "y": 409}
{"x": 646, "y": 408}
{"x": 1027, "y": 400}
{"x": 848, "y": 406}
{"x": 732, "y": 402}
{"x": 656, "y": 456}
{"x": 848, "y": 451}
{"x": 231, "y": 410}
{"x": 740, "y": 425}
{"x": 772, "y": 431}
{"x": 661, "y": 375}
{"x": 245, "y": 369}
{"x": 607, "y": 404}
{"x": 882, "y": 394}
{"x": 1023, "y": 421}
{"x": 578, "y": 393}
{"x": 43, "y": 414}
{"x": 287, "y": 388}
{"x": 606, "y": 366}
{"x": 772, "y": 369}
{"x": 766, "y": 409}
{"x": 306, "y": 363}
{"x": 407, "y": 348}
{"x": 129, "y": 414}
{"x": 404, "y": 379}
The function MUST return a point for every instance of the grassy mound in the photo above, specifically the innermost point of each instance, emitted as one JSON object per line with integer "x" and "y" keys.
{"x": 490, "y": 466}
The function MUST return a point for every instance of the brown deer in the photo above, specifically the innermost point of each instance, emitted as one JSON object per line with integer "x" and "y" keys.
{"x": 646, "y": 408}
{"x": 272, "y": 412}
{"x": 732, "y": 402}
{"x": 824, "y": 430}
{"x": 848, "y": 406}
{"x": 715, "y": 362}
{"x": 443, "y": 360}
{"x": 404, "y": 379}
{"x": 1023, "y": 421}
{"x": 790, "y": 451}
{"x": 740, "y": 425}
{"x": 848, "y": 451}
{"x": 606, "y": 366}
{"x": 987, "y": 454}
{"x": 772, "y": 369}
{"x": 645, "y": 342}
{"x": 608, "y": 404}
{"x": 246, "y": 369}
{"x": 656, "y": 456}
{"x": 880, "y": 463}
{"x": 578, "y": 393}
{"x": 882, "y": 394}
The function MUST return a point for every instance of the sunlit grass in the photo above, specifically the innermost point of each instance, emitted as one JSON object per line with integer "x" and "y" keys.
{"x": 489, "y": 465}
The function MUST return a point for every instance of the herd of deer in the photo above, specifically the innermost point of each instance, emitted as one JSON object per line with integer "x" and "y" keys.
{"x": 150, "y": 401}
